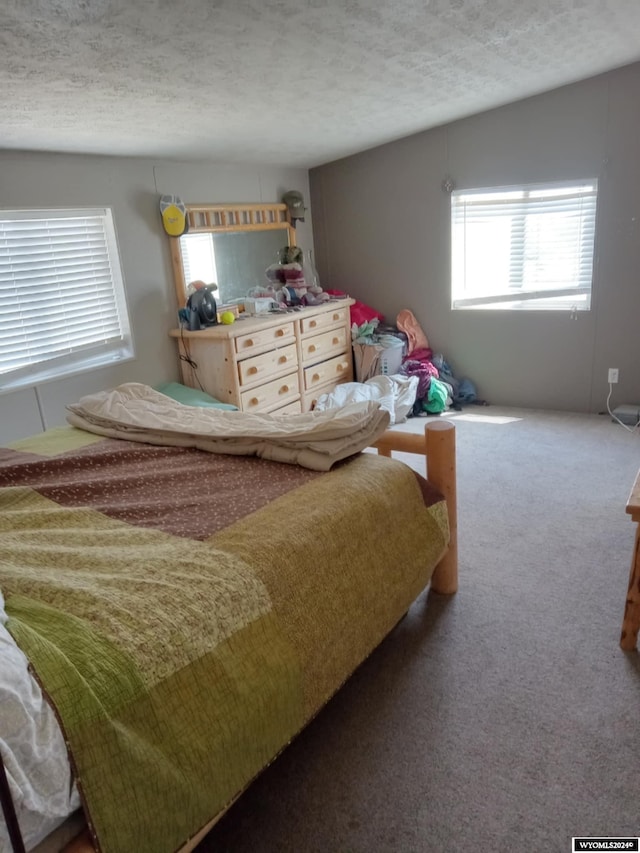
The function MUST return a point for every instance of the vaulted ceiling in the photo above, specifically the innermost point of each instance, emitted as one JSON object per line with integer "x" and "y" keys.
{"x": 292, "y": 82}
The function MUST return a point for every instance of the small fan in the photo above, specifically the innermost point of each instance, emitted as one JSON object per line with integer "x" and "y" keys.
{"x": 203, "y": 304}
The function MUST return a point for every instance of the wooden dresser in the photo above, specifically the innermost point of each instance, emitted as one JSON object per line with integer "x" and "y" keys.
{"x": 272, "y": 363}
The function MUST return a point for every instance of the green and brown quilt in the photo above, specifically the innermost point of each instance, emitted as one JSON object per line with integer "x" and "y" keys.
{"x": 187, "y": 613}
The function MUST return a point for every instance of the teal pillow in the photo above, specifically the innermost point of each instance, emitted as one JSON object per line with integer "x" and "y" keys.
{"x": 191, "y": 396}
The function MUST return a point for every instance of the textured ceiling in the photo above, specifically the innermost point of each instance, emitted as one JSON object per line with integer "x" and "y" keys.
{"x": 294, "y": 82}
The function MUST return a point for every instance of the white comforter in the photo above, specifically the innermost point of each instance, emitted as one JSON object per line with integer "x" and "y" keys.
{"x": 313, "y": 440}
{"x": 396, "y": 394}
{"x": 32, "y": 748}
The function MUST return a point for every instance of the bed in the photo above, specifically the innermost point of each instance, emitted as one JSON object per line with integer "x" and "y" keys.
{"x": 184, "y": 613}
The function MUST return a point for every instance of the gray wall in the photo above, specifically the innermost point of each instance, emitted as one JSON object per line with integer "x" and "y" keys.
{"x": 381, "y": 229}
{"x": 132, "y": 187}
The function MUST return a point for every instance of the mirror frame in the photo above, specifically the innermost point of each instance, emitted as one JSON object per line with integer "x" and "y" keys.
{"x": 220, "y": 218}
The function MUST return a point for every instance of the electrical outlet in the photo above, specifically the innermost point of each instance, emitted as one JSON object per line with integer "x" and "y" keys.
{"x": 613, "y": 375}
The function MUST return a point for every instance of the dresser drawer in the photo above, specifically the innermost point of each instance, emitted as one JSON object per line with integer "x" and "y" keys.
{"x": 294, "y": 408}
{"x": 262, "y": 338}
{"x": 319, "y": 347}
{"x": 335, "y": 369}
{"x": 271, "y": 394}
{"x": 261, "y": 367}
{"x": 310, "y": 325}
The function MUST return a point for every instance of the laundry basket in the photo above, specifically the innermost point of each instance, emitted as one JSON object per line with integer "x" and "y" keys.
{"x": 384, "y": 357}
{"x": 390, "y": 359}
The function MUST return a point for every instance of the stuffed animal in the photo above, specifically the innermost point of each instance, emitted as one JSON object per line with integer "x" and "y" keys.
{"x": 298, "y": 290}
{"x": 291, "y": 255}
{"x": 199, "y": 285}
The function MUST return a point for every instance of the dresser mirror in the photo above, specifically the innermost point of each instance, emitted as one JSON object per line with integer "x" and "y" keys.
{"x": 231, "y": 245}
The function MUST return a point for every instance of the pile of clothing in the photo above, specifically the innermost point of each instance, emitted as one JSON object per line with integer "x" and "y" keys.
{"x": 375, "y": 343}
{"x": 438, "y": 389}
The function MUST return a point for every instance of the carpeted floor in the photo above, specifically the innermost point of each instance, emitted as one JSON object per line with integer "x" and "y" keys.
{"x": 506, "y": 717}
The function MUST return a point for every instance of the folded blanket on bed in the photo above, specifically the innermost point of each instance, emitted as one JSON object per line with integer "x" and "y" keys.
{"x": 315, "y": 440}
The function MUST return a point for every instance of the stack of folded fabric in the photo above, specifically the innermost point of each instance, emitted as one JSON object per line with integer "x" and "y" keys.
{"x": 316, "y": 440}
{"x": 293, "y": 276}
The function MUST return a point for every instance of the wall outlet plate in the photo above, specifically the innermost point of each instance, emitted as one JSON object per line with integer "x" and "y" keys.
{"x": 613, "y": 374}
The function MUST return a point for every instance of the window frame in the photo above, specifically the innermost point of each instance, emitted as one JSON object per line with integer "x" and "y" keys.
{"x": 533, "y": 199}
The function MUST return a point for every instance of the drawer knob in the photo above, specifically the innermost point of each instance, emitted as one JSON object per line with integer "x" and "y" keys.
{"x": 283, "y": 359}
{"x": 315, "y": 377}
{"x": 253, "y": 370}
{"x": 279, "y": 333}
{"x": 336, "y": 316}
{"x": 284, "y": 389}
{"x": 248, "y": 342}
{"x": 336, "y": 341}
{"x": 254, "y": 401}
{"x": 313, "y": 324}
{"x": 340, "y": 367}
{"x": 312, "y": 348}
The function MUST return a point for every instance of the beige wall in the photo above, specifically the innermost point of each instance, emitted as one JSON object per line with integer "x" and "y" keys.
{"x": 132, "y": 187}
{"x": 381, "y": 229}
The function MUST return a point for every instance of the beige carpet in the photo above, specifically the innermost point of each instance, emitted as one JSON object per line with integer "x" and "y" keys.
{"x": 506, "y": 718}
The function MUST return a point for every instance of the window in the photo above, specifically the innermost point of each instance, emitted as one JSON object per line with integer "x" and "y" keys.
{"x": 524, "y": 248}
{"x": 62, "y": 300}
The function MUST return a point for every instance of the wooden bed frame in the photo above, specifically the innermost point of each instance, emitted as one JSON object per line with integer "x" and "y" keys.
{"x": 437, "y": 444}
{"x": 631, "y": 620}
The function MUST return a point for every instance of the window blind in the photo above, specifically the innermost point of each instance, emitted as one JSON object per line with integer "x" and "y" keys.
{"x": 528, "y": 247}
{"x": 61, "y": 291}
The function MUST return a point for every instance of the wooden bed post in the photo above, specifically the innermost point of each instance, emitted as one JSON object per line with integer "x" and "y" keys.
{"x": 631, "y": 620}
{"x": 439, "y": 445}
{"x": 441, "y": 471}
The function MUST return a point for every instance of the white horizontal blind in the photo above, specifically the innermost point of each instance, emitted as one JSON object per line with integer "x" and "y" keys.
{"x": 61, "y": 292}
{"x": 524, "y": 247}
